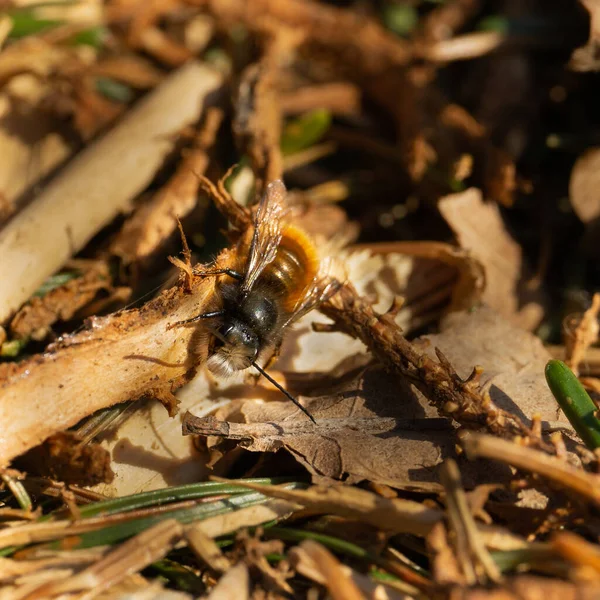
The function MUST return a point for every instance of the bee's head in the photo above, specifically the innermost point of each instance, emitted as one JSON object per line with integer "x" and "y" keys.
{"x": 237, "y": 347}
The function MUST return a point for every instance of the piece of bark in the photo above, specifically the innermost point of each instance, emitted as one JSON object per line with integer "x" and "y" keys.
{"x": 480, "y": 230}
{"x": 121, "y": 357}
{"x": 98, "y": 184}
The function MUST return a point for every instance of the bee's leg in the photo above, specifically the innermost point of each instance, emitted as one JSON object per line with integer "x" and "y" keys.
{"x": 233, "y": 274}
{"x": 208, "y": 315}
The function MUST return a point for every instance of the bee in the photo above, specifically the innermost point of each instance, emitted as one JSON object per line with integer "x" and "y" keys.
{"x": 275, "y": 276}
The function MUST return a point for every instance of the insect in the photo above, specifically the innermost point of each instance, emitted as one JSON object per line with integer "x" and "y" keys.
{"x": 275, "y": 277}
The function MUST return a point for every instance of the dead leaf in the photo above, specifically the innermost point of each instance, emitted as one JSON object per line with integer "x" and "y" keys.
{"x": 480, "y": 230}
{"x": 372, "y": 428}
{"x": 513, "y": 362}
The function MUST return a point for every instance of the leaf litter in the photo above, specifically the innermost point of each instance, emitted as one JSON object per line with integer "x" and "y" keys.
{"x": 440, "y": 464}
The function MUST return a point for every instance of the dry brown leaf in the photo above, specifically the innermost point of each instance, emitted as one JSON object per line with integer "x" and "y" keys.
{"x": 480, "y": 230}
{"x": 370, "y": 428}
{"x": 513, "y": 362}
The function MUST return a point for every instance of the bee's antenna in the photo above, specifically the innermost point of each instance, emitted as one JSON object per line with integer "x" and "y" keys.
{"x": 283, "y": 391}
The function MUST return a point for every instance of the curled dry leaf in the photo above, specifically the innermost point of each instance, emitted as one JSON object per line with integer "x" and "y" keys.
{"x": 369, "y": 429}
{"x": 480, "y": 230}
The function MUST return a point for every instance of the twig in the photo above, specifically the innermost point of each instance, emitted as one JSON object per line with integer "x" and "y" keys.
{"x": 98, "y": 184}
{"x": 460, "y": 400}
{"x": 580, "y": 334}
{"x": 554, "y": 469}
{"x": 471, "y": 551}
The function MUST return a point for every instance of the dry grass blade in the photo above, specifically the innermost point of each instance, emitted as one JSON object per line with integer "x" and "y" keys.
{"x": 306, "y": 566}
{"x": 476, "y": 562}
{"x": 247, "y": 517}
{"x": 339, "y": 585}
{"x": 576, "y": 550}
{"x": 130, "y": 557}
{"x": 206, "y": 549}
{"x": 555, "y": 470}
{"x": 391, "y": 514}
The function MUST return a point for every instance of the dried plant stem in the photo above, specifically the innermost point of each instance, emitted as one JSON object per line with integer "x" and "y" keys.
{"x": 553, "y": 469}
{"x": 460, "y": 400}
{"x": 130, "y": 557}
{"x": 580, "y": 334}
{"x": 474, "y": 558}
{"x": 99, "y": 183}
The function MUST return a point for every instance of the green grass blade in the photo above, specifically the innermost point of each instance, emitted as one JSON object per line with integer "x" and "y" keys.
{"x": 574, "y": 401}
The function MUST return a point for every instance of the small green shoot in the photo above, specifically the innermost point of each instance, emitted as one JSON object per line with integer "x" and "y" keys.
{"x": 56, "y": 281}
{"x": 401, "y": 19}
{"x": 114, "y": 90}
{"x": 574, "y": 401}
{"x": 305, "y": 131}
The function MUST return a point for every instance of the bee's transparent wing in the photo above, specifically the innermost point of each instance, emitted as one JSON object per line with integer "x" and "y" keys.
{"x": 326, "y": 283}
{"x": 267, "y": 232}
